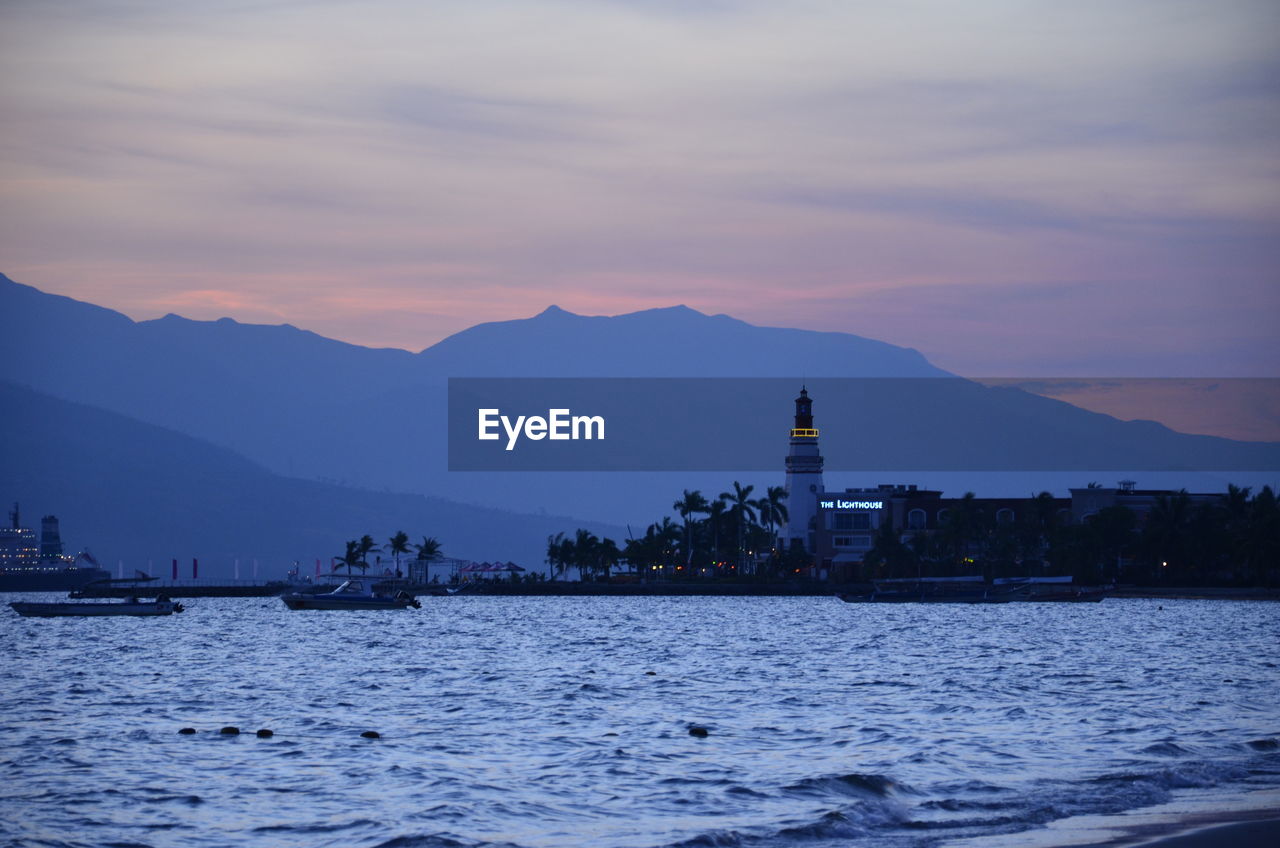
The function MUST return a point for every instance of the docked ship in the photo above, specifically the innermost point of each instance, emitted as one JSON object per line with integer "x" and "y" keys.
{"x": 31, "y": 564}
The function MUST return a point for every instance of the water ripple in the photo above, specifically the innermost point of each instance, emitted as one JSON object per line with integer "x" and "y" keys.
{"x": 564, "y": 722}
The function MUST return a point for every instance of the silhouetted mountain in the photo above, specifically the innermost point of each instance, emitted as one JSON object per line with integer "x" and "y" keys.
{"x": 253, "y": 388}
{"x": 137, "y": 492}
{"x": 672, "y": 342}
{"x": 306, "y": 406}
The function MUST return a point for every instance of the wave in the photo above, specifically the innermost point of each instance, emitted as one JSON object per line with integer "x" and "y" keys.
{"x": 715, "y": 839}
{"x": 1166, "y": 749}
{"x": 437, "y": 841}
{"x": 876, "y": 785}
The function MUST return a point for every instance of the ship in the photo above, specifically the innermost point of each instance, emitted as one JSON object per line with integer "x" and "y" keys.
{"x": 28, "y": 564}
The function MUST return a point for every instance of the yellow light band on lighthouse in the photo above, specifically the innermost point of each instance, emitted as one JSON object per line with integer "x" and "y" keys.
{"x": 802, "y": 433}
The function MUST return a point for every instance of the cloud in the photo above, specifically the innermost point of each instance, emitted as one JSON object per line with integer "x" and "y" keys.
{"x": 921, "y": 172}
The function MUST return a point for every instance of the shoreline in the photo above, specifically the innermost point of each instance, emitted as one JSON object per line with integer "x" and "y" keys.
{"x": 814, "y": 589}
{"x": 1262, "y": 833}
{"x": 790, "y": 588}
{"x": 1198, "y": 819}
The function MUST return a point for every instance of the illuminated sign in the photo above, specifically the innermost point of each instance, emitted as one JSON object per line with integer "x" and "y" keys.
{"x": 843, "y": 504}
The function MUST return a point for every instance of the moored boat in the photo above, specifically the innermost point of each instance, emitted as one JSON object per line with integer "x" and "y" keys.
{"x": 351, "y": 595}
{"x": 936, "y": 590}
{"x": 1052, "y": 590}
{"x": 130, "y": 606}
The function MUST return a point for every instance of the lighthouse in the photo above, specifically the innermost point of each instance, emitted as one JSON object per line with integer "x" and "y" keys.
{"x": 804, "y": 477}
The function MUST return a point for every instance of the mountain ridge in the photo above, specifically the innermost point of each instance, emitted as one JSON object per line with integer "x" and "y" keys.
{"x": 158, "y": 493}
{"x": 306, "y": 406}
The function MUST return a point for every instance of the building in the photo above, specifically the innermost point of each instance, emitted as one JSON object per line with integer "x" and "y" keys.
{"x": 804, "y": 479}
{"x": 848, "y": 521}
{"x": 1089, "y": 501}
{"x": 838, "y": 528}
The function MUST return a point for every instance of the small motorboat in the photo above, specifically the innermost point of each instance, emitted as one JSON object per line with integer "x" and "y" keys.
{"x": 1053, "y": 590}
{"x": 129, "y": 606}
{"x": 935, "y": 590}
{"x": 351, "y": 595}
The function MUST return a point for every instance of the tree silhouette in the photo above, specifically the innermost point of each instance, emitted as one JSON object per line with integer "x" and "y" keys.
{"x": 429, "y": 550}
{"x": 742, "y": 509}
{"x": 351, "y": 558}
{"x": 366, "y": 546}
{"x": 398, "y": 544}
{"x": 691, "y": 504}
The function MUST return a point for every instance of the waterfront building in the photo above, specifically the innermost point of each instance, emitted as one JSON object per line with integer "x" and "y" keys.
{"x": 838, "y": 528}
{"x": 848, "y": 521}
{"x": 1089, "y": 501}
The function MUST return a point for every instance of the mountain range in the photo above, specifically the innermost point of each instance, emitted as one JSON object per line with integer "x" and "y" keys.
{"x": 288, "y": 405}
{"x": 143, "y": 494}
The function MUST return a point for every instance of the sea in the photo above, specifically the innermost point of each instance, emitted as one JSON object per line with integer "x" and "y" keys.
{"x": 564, "y": 722}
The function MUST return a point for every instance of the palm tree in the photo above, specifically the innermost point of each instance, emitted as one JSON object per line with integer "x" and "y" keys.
{"x": 688, "y": 506}
{"x": 772, "y": 509}
{"x": 607, "y": 555}
{"x": 657, "y": 547}
{"x": 367, "y": 546}
{"x": 668, "y": 534}
{"x": 585, "y": 550}
{"x": 429, "y": 550}
{"x": 773, "y": 513}
{"x": 351, "y": 558}
{"x": 398, "y": 544}
{"x": 742, "y": 508}
{"x": 556, "y": 554}
{"x": 715, "y": 515}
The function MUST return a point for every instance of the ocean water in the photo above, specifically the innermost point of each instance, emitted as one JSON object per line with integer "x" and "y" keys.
{"x": 540, "y": 722}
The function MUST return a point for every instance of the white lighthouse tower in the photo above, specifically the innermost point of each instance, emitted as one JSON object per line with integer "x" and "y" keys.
{"x": 804, "y": 477}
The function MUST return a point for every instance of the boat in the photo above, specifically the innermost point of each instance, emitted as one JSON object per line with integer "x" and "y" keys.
{"x": 351, "y": 595}
{"x": 185, "y": 589}
{"x": 936, "y": 590}
{"x": 130, "y": 606}
{"x": 1070, "y": 596}
{"x": 1052, "y": 590}
{"x": 31, "y": 564}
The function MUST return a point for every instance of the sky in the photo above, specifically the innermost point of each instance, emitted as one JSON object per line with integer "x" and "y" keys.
{"x": 1013, "y": 188}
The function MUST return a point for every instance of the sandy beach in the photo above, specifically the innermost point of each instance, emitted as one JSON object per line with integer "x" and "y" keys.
{"x": 1196, "y": 819}
{"x": 1249, "y": 834}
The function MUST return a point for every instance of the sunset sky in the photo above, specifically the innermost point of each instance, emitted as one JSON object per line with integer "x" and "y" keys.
{"x": 1013, "y": 188}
